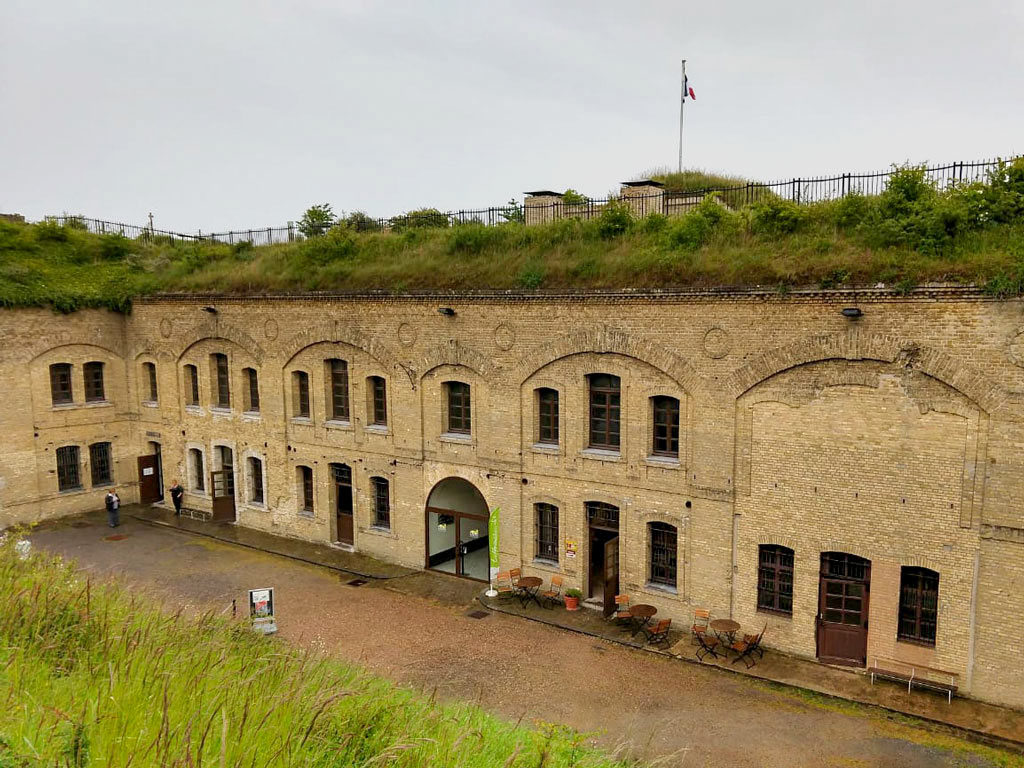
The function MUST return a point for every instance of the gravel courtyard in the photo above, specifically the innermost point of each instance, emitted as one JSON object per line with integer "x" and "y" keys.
{"x": 643, "y": 704}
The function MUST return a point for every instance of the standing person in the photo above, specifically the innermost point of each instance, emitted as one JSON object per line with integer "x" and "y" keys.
{"x": 176, "y": 494}
{"x": 113, "y": 509}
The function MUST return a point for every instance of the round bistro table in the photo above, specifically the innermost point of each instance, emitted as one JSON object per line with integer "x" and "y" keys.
{"x": 529, "y": 586}
{"x": 642, "y": 613}
{"x": 726, "y": 630}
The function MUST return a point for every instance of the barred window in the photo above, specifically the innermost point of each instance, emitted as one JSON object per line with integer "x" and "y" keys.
{"x": 301, "y": 391}
{"x": 93, "y": 382}
{"x": 547, "y": 416}
{"x": 601, "y": 515}
{"x": 605, "y": 409}
{"x": 666, "y": 426}
{"x": 252, "y": 380}
{"x": 547, "y": 532}
{"x": 663, "y": 553}
{"x": 100, "y": 464}
{"x": 256, "y": 480}
{"x": 223, "y": 391}
{"x": 306, "y": 489}
{"x": 919, "y": 603}
{"x": 339, "y": 389}
{"x": 459, "y": 419}
{"x": 150, "y": 371}
{"x": 381, "y": 502}
{"x": 68, "y": 471}
{"x": 191, "y": 385}
{"x": 60, "y": 383}
{"x": 379, "y": 404}
{"x": 198, "y": 471}
{"x": 775, "y": 578}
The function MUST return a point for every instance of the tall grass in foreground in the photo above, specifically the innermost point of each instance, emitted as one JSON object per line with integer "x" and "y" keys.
{"x": 92, "y": 675}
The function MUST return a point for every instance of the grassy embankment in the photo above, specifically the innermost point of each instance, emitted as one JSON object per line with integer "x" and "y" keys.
{"x": 99, "y": 677}
{"x": 909, "y": 235}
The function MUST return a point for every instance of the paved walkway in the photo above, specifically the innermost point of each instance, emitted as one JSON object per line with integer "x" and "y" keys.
{"x": 643, "y": 703}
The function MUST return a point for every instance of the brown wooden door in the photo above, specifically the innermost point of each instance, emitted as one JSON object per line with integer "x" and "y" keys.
{"x": 344, "y": 513}
{"x": 149, "y": 479}
{"x": 611, "y": 574}
{"x": 223, "y": 490}
{"x": 843, "y": 592}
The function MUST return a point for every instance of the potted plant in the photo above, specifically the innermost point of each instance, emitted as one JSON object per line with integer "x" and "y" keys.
{"x": 572, "y": 599}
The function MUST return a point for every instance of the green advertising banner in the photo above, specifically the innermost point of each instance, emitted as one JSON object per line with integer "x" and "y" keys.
{"x": 492, "y": 547}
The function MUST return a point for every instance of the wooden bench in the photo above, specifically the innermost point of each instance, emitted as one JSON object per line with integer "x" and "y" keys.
{"x": 915, "y": 675}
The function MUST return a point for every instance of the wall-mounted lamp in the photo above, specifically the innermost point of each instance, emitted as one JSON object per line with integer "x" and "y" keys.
{"x": 852, "y": 312}
{"x": 211, "y": 310}
{"x": 447, "y": 311}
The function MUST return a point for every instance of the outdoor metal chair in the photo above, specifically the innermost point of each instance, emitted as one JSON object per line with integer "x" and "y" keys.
{"x": 622, "y": 612}
{"x": 745, "y": 648}
{"x": 658, "y": 634}
{"x": 701, "y": 619}
{"x": 707, "y": 645}
{"x": 554, "y": 593}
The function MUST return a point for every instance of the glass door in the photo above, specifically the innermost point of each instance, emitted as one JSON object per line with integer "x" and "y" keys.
{"x": 473, "y": 557}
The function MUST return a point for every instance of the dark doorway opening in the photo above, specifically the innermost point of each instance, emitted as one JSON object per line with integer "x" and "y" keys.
{"x": 603, "y": 581}
{"x": 343, "y": 507}
{"x": 844, "y": 586}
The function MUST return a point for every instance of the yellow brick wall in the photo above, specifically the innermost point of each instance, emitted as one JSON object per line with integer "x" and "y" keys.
{"x": 896, "y": 437}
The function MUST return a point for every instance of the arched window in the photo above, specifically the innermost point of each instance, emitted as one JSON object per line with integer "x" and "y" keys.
{"x": 547, "y": 532}
{"x": 191, "y": 385}
{"x": 775, "y": 578}
{"x": 305, "y": 489}
{"x": 663, "y": 539}
{"x": 665, "y": 411}
{"x": 381, "y": 502}
{"x": 547, "y": 416}
{"x": 69, "y": 476}
{"x": 919, "y": 605}
{"x": 93, "y": 373}
{"x": 60, "y": 383}
{"x": 252, "y": 390}
{"x": 459, "y": 419}
{"x": 605, "y": 408}
{"x": 100, "y": 464}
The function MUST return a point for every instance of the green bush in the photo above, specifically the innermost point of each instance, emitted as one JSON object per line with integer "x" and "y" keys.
{"x": 474, "y": 238}
{"x": 421, "y": 218}
{"x": 338, "y": 243}
{"x": 777, "y": 216}
{"x": 115, "y": 247}
{"x": 531, "y": 276}
{"x": 362, "y": 222}
{"x": 696, "y": 228}
{"x": 316, "y": 220}
{"x": 853, "y": 210}
{"x": 616, "y": 219}
{"x": 572, "y": 197}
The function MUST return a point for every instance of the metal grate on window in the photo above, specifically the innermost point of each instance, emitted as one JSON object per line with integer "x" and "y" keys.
{"x": 381, "y": 503}
{"x": 93, "y": 373}
{"x": 547, "y": 532}
{"x": 919, "y": 601}
{"x": 100, "y": 464}
{"x": 602, "y": 515}
{"x": 68, "y": 472}
{"x": 663, "y": 553}
{"x": 60, "y": 383}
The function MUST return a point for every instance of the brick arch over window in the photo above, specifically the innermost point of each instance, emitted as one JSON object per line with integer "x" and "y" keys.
{"x": 222, "y": 331}
{"x": 987, "y": 394}
{"x": 606, "y": 340}
{"x": 88, "y": 345}
{"x": 454, "y": 352}
{"x": 332, "y": 333}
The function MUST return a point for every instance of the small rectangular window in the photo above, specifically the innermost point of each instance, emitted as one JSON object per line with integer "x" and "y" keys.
{"x": 666, "y": 426}
{"x": 547, "y": 416}
{"x": 150, "y": 371}
{"x": 301, "y": 379}
{"x": 60, "y": 383}
{"x": 775, "y": 579}
{"x": 100, "y": 464}
{"x": 547, "y": 532}
{"x": 339, "y": 389}
{"x": 68, "y": 470}
{"x": 919, "y": 605}
{"x": 459, "y": 419}
{"x": 93, "y": 382}
{"x": 664, "y": 540}
{"x": 191, "y": 385}
{"x": 223, "y": 391}
{"x": 378, "y": 390}
{"x": 306, "y": 482}
{"x": 381, "y": 503}
{"x": 253, "y": 382}
{"x": 198, "y": 471}
{"x": 605, "y": 408}
{"x": 256, "y": 479}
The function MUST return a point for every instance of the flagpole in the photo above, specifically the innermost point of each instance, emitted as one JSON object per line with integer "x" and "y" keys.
{"x": 682, "y": 103}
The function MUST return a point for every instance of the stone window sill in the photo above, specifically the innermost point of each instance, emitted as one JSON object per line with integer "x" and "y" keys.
{"x": 664, "y": 589}
{"x": 302, "y": 420}
{"x": 150, "y": 404}
{"x": 547, "y": 565}
{"x": 552, "y": 449}
{"x": 64, "y": 406}
{"x": 258, "y": 506}
{"x": 456, "y": 438}
{"x": 345, "y": 426}
{"x": 665, "y": 462}
{"x": 108, "y": 484}
{"x": 307, "y": 514}
{"x": 98, "y": 404}
{"x": 220, "y": 410}
{"x": 251, "y": 415}
{"x": 69, "y": 491}
{"x": 196, "y": 409}
{"x": 601, "y": 454}
{"x": 377, "y": 429}
{"x": 379, "y": 530}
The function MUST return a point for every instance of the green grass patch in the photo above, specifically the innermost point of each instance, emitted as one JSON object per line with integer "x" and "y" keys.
{"x": 93, "y": 675}
{"x": 909, "y": 235}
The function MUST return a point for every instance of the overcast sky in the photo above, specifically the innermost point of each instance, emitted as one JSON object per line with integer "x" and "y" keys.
{"x": 219, "y": 114}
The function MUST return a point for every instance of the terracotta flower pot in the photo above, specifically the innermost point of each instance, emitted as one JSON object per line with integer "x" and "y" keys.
{"x": 572, "y": 603}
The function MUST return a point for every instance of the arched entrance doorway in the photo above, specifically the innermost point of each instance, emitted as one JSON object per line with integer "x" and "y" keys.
{"x": 456, "y": 519}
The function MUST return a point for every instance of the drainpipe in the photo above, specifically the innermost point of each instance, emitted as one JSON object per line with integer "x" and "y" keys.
{"x": 971, "y": 628}
{"x": 733, "y": 565}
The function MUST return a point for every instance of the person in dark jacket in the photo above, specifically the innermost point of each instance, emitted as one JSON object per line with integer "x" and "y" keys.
{"x": 177, "y": 492}
{"x": 113, "y": 502}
